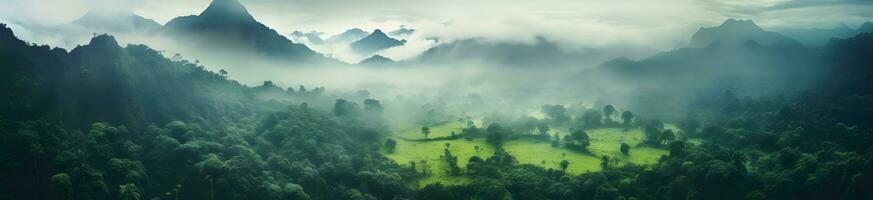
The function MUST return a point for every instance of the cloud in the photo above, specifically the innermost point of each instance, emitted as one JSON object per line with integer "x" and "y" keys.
{"x": 574, "y": 23}
{"x": 812, "y": 3}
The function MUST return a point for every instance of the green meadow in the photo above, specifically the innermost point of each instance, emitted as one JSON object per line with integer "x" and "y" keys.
{"x": 604, "y": 141}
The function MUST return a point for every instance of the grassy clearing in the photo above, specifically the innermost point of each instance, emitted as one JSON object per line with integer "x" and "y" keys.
{"x": 432, "y": 152}
{"x": 605, "y": 141}
{"x": 535, "y": 153}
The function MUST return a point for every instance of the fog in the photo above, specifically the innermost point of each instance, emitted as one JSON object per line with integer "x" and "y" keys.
{"x": 487, "y": 56}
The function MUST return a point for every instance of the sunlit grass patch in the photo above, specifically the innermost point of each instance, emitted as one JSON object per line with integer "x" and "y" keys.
{"x": 607, "y": 141}
{"x": 535, "y": 153}
{"x": 432, "y": 152}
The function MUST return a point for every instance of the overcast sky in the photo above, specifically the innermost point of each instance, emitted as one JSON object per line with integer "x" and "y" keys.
{"x": 660, "y": 24}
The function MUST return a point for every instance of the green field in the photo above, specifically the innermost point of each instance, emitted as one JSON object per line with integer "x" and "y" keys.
{"x": 604, "y": 141}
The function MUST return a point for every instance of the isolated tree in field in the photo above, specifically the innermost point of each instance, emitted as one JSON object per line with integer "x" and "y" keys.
{"x": 608, "y": 110}
{"x": 391, "y": 144}
{"x": 627, "y": 117}
{"x": 223, "y": 73}
{"x": 625, "y": 148}
{"x": 425, "y": 130}
{"x": 564, "y": 165}
{"x": 667, "y": 136}
{"x": 654, "y": 131}
{"x": 578, "y": 139}
{"x": 495, "y": 135}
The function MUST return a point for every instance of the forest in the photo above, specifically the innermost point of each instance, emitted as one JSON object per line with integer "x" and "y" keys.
{"x": 763, "y": 117}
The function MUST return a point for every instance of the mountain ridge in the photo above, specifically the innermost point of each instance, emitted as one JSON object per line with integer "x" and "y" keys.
{"x": 736, "y": 32}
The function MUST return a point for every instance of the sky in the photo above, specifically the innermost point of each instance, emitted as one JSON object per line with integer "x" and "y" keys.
{"x": 658, "y": 24}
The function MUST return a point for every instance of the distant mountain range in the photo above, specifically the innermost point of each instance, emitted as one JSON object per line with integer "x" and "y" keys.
{"x": 349, "y": 36}
{"x": 819, "y": 36}
{"x": 374, "y": 42}
{"x": 117, "y": 22}
{"x": 227, "y": 25}
{"x": 377, "y": 60}
{"x": 736, "y": 32}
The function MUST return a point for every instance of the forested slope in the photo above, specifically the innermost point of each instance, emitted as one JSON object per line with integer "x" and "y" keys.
{"x": 111, "y": 122}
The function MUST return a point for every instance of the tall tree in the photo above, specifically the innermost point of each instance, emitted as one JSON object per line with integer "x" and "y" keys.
{"x": 608, "y": 110}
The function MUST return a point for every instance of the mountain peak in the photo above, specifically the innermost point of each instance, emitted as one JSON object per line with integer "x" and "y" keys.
{"x": 103, "y": 41}
{"x": 736, "y": 32}
{"x": 374, "y": 42}
{"x": 738, "y": 24}
{"x": 227, "y": 9}
{"x": 866, "y": 27}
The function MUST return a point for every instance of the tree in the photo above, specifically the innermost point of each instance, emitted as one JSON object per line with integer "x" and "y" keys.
{"x": 690, "y": 125}
{"x": 654, "y": 131}
{"x": 223, "y": 73}
{"x": 495, "y": 135}
{"x": 61, "y": 186}
{"x": 557, "y": 113}
{"x": 578, "y": 139}
{"x": 343, "y": 107}
{"x": 667, "y": 136}
{"x": 425, "y": 130}
{"x": 627, "y": 117}
{"x": 373, "y": 106}
{"x": 677, "y": 148}
{"x": 625, "y": 148}
{"x": 543, "y": 128}
{"x": 128, "y": 192}
{"x": 591, "y": 118}
{"x": 604, "y": 162}
{"x": 391, "y": 144}
{"x": 454, "y": 170}
{"x": 608, "y": 110}
{"x": 556, "y": 140}
{"x": 564, "y": 165}
{"x": 210, "y": 168}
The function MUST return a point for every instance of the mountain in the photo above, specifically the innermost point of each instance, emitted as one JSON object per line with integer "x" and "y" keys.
{"x": 402, "y": 31}
{"x": 348, "y": 36}
{"x": 672, "y": 78}
{"x": 735, "y": 32}
{"x": 376, "y": 60}
{"x": 117, "y": 22}
{"x": 867, "y": 27}
{"x": 819, "y": 37}
{"x": 541, "y": 53}
{"x": 111, "y": 83}
{"x": 104, "y": 116}
{"x": 374, "y": 42}
{"x": 227, "y": 26}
